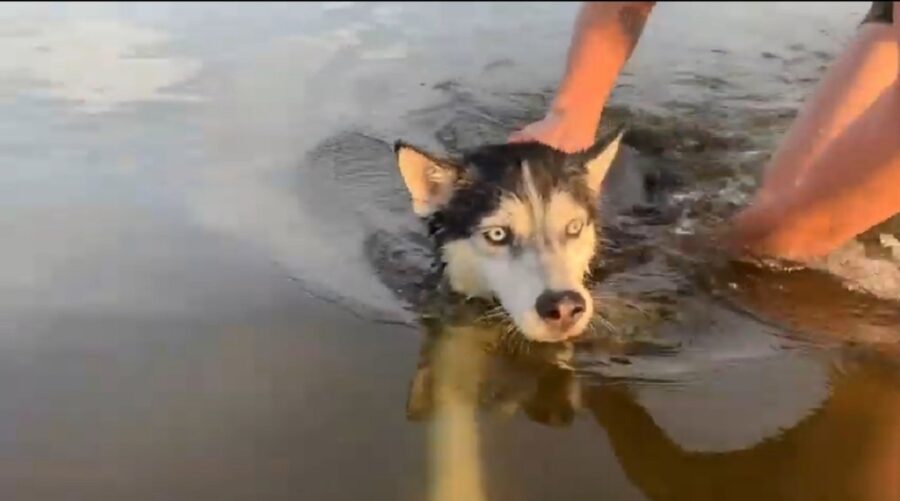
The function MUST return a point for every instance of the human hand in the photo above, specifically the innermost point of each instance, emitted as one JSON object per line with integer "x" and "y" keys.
{"x": 792, "y": 223}
{"x": 564, "y": 131}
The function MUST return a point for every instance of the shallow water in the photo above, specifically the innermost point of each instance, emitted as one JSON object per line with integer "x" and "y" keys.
{"x": 209, "y": 270}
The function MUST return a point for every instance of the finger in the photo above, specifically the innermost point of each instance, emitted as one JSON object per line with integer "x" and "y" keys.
{"x": 519, "y": 137}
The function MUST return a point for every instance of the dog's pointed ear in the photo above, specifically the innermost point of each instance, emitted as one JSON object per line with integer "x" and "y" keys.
{"x": 430, "y": 182}
{"x": 600, "y": 157}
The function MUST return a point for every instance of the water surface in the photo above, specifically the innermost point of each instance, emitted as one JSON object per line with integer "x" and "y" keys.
{"x": 208, "y": 260}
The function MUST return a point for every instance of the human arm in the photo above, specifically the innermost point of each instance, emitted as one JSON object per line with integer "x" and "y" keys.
{"x": 604, "y": 38}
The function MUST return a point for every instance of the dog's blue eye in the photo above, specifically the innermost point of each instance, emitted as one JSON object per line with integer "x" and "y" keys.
{"x": 497, "y": 235}
{"x": 573, "y": 229}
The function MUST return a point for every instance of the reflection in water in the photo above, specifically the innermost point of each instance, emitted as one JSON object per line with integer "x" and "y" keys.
{"x": 811, "y": 303}
{"x": 147, "y": 357}
{"x": 457, "y": 378}
{"x": 454, "y": 378}
{"x": 849, "y": 448}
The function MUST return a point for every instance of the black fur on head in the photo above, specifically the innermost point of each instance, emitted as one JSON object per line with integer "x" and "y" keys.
{"x": 485, "y": 173}
{"x": 515, "y": 222}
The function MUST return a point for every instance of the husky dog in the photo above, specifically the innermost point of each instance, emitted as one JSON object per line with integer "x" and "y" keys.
{"x": 516, "y": 223}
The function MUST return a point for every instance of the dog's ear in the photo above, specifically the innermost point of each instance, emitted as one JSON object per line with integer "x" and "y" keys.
{"x": 430, "y": 182}
{"x": 599, "y": 158}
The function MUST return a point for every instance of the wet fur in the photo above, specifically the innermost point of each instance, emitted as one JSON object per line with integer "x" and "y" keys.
{"x": 529, "y": 187}
{"x": 497, "y": 171}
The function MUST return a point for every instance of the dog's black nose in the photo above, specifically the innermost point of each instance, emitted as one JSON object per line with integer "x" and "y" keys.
{"x": 560, "y": 309}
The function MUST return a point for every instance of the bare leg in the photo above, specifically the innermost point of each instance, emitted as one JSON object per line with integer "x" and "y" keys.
{"x": 850, "y": 87}
{"x": 853, "y": 186}
{"x": 838, "y": 172}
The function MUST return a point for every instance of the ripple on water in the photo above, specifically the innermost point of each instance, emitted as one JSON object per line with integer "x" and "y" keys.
{"x": 710, "y": 167}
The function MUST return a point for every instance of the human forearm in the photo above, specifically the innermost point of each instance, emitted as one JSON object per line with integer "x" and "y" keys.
{"x": 605, "y": 36}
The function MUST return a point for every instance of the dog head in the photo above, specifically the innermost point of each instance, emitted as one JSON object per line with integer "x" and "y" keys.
{"x": 515, "y": 223}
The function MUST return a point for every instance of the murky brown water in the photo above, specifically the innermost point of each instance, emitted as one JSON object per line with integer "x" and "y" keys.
{"x": 209, "y": 275}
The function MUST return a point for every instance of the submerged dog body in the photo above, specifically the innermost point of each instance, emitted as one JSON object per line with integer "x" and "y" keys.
{"x": 516, "y": 223}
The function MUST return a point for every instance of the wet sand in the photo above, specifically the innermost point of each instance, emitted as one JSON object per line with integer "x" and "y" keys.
{"x": 191, "y": 305}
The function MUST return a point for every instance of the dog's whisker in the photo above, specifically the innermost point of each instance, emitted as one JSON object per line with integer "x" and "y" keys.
{"x": 604, "y": 240}
{"x": 519, "y": 344}
{"x": 592, "y": 326}
{"x": 495, "y": 223}
{"x": 606, "y": 323}
{"x": 493, "y": 314}
{"x": 508, "y": 338}
{"x": 607, "y": 300}
{"x": 599, "y": 294}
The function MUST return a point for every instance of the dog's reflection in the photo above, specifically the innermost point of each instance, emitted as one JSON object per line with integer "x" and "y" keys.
{"x": 848, "y": 449}
{"x": 466, "y": 370}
